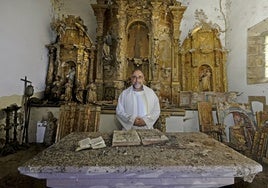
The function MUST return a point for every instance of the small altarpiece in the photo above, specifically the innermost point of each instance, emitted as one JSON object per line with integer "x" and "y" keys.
{"x": 71, "y": 71}
{"x": 203, "y": 61}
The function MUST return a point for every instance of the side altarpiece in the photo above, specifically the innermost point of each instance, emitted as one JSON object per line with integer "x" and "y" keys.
{"x": 70, "y": 75}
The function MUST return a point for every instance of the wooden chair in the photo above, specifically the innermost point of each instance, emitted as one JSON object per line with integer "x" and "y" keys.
{"x": 206, "y": 123}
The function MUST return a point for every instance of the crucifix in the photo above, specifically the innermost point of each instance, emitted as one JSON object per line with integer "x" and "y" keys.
{"x": 25, "y": 83}
{"x": 28, "y": 92}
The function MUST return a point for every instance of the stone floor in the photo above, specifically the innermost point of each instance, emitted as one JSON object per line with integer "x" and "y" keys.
{"x": 10, "y": 178}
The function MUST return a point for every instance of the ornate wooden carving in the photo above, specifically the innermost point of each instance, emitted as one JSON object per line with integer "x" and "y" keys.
{"x": 71, "y": 62}
{"x": 243, "y": 130}
{"x": 75, "y": 117}
{"x": 190, "y": 99}
{"x": 203, "y": 61}
{"x": 133, "y": 34}
{"x": 206, "y": 122}
{"x": 143, "y": 34}
{"x": 259, "y": 145}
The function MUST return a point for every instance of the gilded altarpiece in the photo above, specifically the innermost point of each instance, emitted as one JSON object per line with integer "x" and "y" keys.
{"x": 134, "y": 34}
{"x": 138, "y": 34}
{"x": 203, "y": 61}
{"x": 71, "y": 67}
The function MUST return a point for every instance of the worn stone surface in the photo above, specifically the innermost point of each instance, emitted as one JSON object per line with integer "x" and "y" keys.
{"x": 185, "y": 153}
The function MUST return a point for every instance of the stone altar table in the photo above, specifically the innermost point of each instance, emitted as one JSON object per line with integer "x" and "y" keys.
{"x": 186, "y": 160}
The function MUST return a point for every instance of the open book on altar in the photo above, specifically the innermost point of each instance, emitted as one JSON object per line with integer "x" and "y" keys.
{"x": 94, "y": 143}
{"x": 138, "y": 137}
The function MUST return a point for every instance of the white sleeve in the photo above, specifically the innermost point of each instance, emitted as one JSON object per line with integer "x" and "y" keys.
{"x": 154, "y": 112}
{"x": 126, "y": 120}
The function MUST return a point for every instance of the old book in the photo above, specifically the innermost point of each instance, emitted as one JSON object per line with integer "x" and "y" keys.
{"x": 126, "y": 138}
{"x": 94, "y": 143}
{"x": 152, "y": 136}
{"x": 138, "y": 137}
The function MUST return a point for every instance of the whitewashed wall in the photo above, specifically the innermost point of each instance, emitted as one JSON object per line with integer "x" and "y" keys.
{"x": 243, "y": 15}
{"x": 215, "y": 10}
{"x": 24, "y": 31}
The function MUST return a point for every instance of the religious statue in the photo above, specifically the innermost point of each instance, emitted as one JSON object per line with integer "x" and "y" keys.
{"x": 79, "y": 93}
{"x": 56, "y": 88}
{"x": 91, "y": 94}
{"x": 71, "y": 75}
{"x": 68, "y": 91}
{"x": 51, "y": 128}
{"x": 107, "y": 56}
{"x": 205, "y": 78}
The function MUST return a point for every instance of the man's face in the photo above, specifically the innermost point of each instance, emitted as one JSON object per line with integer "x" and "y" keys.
{"x": 137, "y": 79}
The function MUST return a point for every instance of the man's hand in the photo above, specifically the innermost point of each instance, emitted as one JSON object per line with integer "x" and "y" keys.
{"x": 139, "y": 122}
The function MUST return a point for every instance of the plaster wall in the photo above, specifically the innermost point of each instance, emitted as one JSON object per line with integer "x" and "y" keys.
{"x": 214, "y": 13}
{"x": 24, "y": 31}
{"x": 243, "y": 15}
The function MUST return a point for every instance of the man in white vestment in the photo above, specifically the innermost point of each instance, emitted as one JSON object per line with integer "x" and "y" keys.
{"x": 138, "y": 106}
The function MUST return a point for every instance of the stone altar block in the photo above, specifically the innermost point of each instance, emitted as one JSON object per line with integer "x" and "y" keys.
{"x": 187, "y": 160}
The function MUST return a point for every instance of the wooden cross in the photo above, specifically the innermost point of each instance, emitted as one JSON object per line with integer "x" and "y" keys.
{"x": 25, "y": 82}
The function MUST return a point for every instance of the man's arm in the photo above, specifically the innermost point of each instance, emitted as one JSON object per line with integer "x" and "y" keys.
{"x": 154, "y": 110}
{"x": 126, "y": 120}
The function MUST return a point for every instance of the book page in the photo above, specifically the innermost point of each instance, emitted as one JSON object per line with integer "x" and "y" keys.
{"x": 126, "y": 138}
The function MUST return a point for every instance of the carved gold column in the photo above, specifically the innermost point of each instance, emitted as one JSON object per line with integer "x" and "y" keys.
{"x": 121, "y": 62}
{"x": 122, "y": 41}
{"x": 99, "y": 10}
{"x": 177, "y": 13}
{"x": 80, "y": 77}
{"x": 155, "y": 42}
{"x": 51, "y": 67}
{"x": 91, "y": 65}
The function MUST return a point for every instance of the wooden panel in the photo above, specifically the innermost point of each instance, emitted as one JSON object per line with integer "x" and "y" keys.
{"x": 75, "y": 117}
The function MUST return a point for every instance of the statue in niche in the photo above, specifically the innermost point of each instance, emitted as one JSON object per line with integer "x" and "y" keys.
{"x": 79, "y": 93}
{"x": 68, "y": 91}
{"x": 205, "y": 78}
{"x": 138, "y": 41}
{"x": 91, "y": 94}
{"x": 107, "y": 56}
{"x": 71, "y": 75}
{"x": 56, "y": 88}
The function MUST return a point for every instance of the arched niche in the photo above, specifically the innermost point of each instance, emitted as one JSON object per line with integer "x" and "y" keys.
{"x": 66, "y": 67}
{"x": 138, "y": 47}
{"x": 205, "y": 78}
